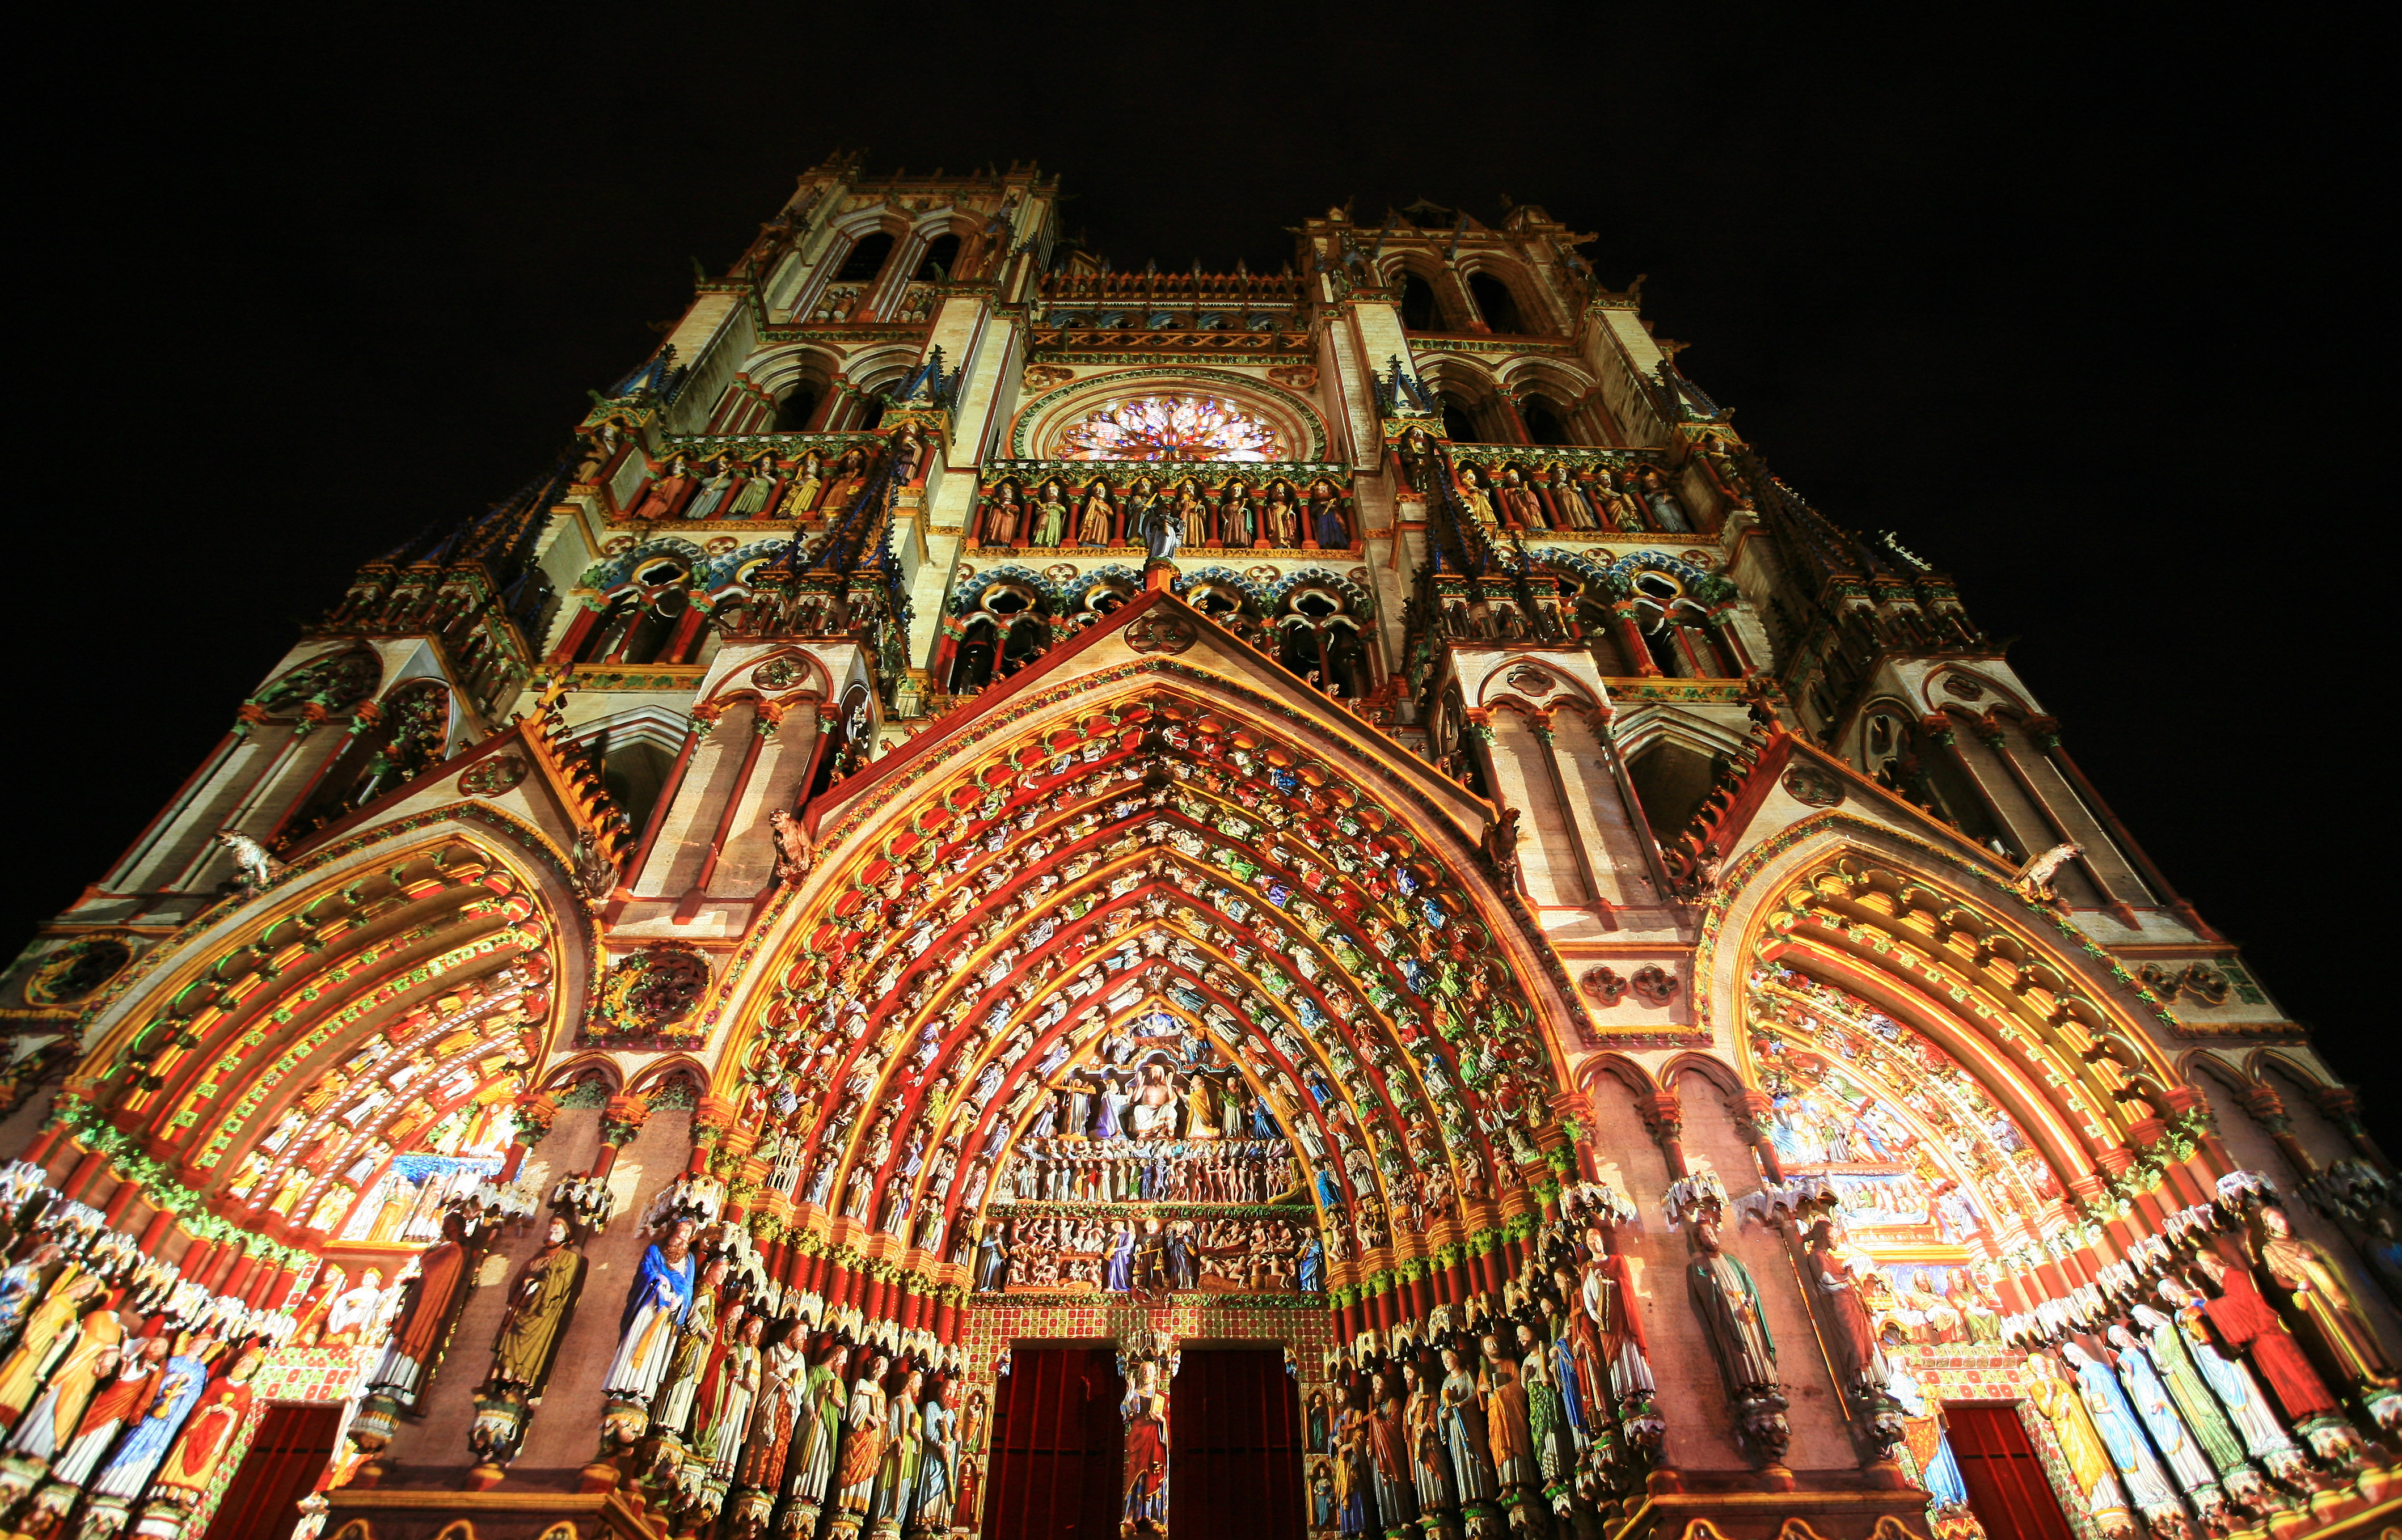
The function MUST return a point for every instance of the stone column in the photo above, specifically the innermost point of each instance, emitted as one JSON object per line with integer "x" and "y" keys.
{"x": 1751, "y": 1110}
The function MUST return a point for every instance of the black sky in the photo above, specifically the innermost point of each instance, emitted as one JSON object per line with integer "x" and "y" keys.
{"x": 2086, "y": 313}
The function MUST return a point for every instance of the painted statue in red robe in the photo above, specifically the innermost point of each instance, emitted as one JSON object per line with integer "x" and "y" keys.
{"x": 2249, "y": 1323}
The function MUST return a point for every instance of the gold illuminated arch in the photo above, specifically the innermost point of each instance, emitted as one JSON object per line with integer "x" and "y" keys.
{"x": 1309, "y": 900}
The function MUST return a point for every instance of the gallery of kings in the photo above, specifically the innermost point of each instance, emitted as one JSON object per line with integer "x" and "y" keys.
{"x": 1014, "y": 897}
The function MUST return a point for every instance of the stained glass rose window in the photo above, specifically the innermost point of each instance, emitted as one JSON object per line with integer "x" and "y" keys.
{"x": 1170, "y": 427}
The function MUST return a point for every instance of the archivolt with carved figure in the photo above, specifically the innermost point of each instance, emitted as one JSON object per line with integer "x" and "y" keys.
{"x": 1148, "y": 953}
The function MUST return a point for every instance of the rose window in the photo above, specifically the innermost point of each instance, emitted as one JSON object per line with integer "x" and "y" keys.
{"x": 1170, "y": 427}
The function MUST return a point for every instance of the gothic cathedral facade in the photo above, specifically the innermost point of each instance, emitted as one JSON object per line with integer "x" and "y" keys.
{"x": 1022, "y": 896}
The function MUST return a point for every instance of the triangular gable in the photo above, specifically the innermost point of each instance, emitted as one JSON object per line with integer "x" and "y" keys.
{"x": 1157, "y": 625}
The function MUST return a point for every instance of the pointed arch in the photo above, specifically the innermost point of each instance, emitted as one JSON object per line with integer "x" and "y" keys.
{"x": 1152, "y": 838}
{"x": 1932, "y": 946}
{"x": 278, "y": 1052}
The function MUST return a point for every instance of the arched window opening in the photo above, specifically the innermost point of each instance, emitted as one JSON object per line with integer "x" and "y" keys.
{"x": 1104, "y": 598}
{"x": 1458, "y": 426}
{"x": 868, "y": 416}
{"x": 1595, "y": 612}
{"x": 1671, "y": 780}
{"x": 1216, "y": 600}
{"x": 1677, "y": 632}
{"x": 1544, "y": 422}
{"x": 942, "y": 258}
{"x": 1456, "y": 748}
{"x": 410, "y": 738}
{"x": 1898, "y": 757}
{"x": 865, "y": 259}
{"x": 798, "y": 409}
{"x": 1493, "y": 301}
{"x": 1007, "y": 629}
{"x": 653, "y": 630}
{"x": 656, "y": 622}
{"x": 635, "y": 772}
{"x": 1419, "y": 312}
{"x": 603, "y": 637}
{"x": 1320, "y": 642}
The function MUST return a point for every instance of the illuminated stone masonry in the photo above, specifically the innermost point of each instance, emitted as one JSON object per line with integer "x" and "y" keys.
{"x": 1329, "y": 852}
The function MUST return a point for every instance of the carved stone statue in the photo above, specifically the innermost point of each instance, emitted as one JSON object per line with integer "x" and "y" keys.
{"x": 254, "y": 868}
{"x": 1162, "y": 529}
{"x": 794, "y": 853}
{"x": 540, "y": 1307}
{"x": 1728, "y": 1303}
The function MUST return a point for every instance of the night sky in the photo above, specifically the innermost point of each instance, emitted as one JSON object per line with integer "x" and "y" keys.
{"x": 2079, "y": 314}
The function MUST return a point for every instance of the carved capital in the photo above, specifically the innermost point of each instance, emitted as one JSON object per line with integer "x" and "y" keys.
{"x": 622, "y": 1118}
{"x": 1662, "y": 1114}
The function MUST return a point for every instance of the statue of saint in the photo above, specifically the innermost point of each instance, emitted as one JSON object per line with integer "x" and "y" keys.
{"x": 50, "y": 1334}
{"x": 1095, "y": 527}
{"x": 2196, "y": 1477}
{"x": 897, "y": 1473}
{"x": 806, "y": 487}
{"x": 1051, "y": 522}
{"x": 654, "y": 1307}
{"x": 1507, "y": 1419}
{"x": 1002, "y": 517}
{"x": 1238, "y": 518}
{"x": 1727, "y": 1303}
{"x": 1520, "y": 507}
{"x": 1465, "y": 1438}
{"x": 1421, "y": 1425}
{"x": 2320, "y": 1297}
{"x": 1162, "y": 527}
{"x": 1389, "y": 1455}
{"x": 2139, "y": 1471}
{"x": 695, "y": 1344}
{"x": 1854, "y": 1334}
{"x": 713, "y": 491}
{"x": 2089, "y": 1463}
{"x": 95, "y": 1346}
{"x": 193, "y": 1462}
{"x": 424, "y": 1320}
{"x": 140, "y": 1371}
{"x": 728, "y": 1394}
{"x": 863, "y": 1448}
{"x": 356, "y": 1317}
{"x": 2228, "y": 1380}
{"x": 1480, "y": 503}
{"x": 540, "y": 1305}
{"x": 152, "y": 1425}
{"x": 939, "y": 1479}
{"x": 2244, "y": 1317}
{"x": 818, "y": 1429}
{"x": 1283, "y": 528}
{"x": 1145, "y": 1410}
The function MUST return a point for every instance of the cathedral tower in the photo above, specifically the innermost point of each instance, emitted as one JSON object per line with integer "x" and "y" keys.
{"x": 1014, "y": 895}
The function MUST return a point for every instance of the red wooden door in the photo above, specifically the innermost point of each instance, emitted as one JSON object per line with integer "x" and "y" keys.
{"x": 2008, "y": 1491}
{"x": 1058, "y": 1441}
{"x": 282, "y": 1466}
{"x": 1234, "y": 1446}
